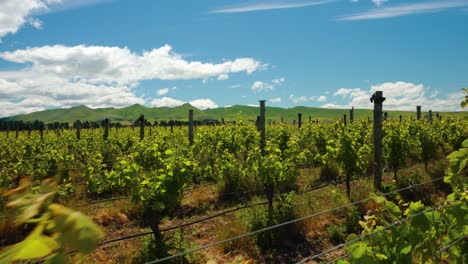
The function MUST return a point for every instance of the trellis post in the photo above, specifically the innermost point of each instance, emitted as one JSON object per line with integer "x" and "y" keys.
{"x": 377, "y": 98}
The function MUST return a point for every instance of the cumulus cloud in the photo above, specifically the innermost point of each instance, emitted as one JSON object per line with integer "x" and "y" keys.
{"x": 275, "y": 100}
{"x": 166, "y": 102}
{"x": 278, "y": 81}
{"x": 403, "y": 96}
{"x": 201, "y": 104}
{"x": 100, "y": 76}
{"x": 162, "y": 91}
{"x": 223, "y": 77}
{"x": 259, "y": 86}
{"x": 14, "y": 15}
{"x": 297, "y": 99}
{"x": 322, "y": 98}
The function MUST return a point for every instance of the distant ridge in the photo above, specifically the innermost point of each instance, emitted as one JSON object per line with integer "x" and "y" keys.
{"x": 232, "y": 113}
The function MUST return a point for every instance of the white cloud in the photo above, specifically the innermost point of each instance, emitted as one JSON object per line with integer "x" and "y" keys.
{"x": 297, "y": 99}
{"x": 275, "y": 100}
{"x": 403, "y": 96}
{"x": 14, "y": 14}
{"x": 379, "y": 2}
{"x": 278, "y": 81}
{"x": 322, "y": 98}
{"x": 334, "y": 106}
{"x": 162, "y": 91}
{"x": 251, "y": 7}
{"x": 99, "y": 76}
{"x": 259, "y": 86}
{"x": 405, "y": 10}
{"x": 235, "y": 86}
{"x": 166, "y": 102}
{"x": 99, "y": 64}
{"x": 223, "y": 77}
{"x": 203, "y": 104}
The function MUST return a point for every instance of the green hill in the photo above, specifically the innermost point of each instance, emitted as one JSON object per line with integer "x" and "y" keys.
{"x": 233, "y": 113}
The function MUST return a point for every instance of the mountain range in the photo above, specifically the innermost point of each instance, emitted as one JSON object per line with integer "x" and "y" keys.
{"x": 232, "y": 113}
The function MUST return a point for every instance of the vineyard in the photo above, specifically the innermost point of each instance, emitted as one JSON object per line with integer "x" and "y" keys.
{"x": 236, "y": 192}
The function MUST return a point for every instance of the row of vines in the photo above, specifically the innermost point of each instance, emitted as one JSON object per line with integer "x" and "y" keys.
{"x": 154, "y": 171}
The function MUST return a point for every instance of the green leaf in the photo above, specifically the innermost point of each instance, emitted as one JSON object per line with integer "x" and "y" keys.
{"x": 358, "y": 249}
{"x": 379, "y": 199}
{"x": 393, "y": 209}
{"x": 34, "y": 246}
{"x": 381, "y": 256}
{"x": 406, "y": 250}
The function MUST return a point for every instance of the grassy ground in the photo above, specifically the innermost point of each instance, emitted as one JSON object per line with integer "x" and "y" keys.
{"x": 122, "y": 218}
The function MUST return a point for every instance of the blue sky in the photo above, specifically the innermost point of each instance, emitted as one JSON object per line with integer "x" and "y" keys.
{"x": 212, "y": 53}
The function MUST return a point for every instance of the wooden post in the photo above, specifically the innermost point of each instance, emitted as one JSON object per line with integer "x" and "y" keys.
{"x": 190, "y": 132}
{"x": 172, "y": 126}
{"x": 430, "y": 115}
{"x": 142, "y": 127}
{"x": 344, "y": 119}
{"x": 351, "y": 115}
{"x": 222, "y": 120}
{"x": 106, "y": 128}
{"x": 282, "y": 121}
{"x": 261, "y": 126}
{"x": 418, "y": 112}
{"x": 377, "y": 98}
{"x": 78, "y": 127}
{"x": 299, "y": 117}
{"x": 310, "y": 119}
{"x": 401, "y": 118}
{"x": 385, "y": 116}
{"x": 17, "y": 131}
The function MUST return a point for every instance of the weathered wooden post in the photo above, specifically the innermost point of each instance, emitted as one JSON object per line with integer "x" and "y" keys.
{"x": 377, "y": 98}
{"x": 222, "y": 120}
{"x": 351, "y": 115}
{"x": 190, "y": 132}
{"x": 344, "y": 119}
{"x": 401, "y": 118}
{"x": 418, "y": 112}
{"x": 385, "y": 116}
{"x": 142, "y": 126}
{"x": 106, "y": 128}
{"x": 310, "y": 119}
{"x": 261, "y": 126}
{"x": 299, "y": 118}
{"x": 430, "y": 116}
{"x": 78, "y": 127}
{"x": 17, "y": 131}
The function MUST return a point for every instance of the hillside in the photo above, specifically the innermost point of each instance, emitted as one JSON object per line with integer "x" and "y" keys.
{"x": 233, "y": 113}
